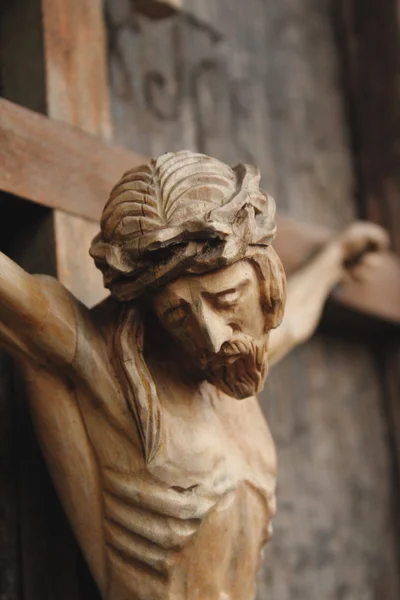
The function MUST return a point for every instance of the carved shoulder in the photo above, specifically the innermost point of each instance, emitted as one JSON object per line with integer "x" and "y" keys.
{"x": 39, "y": 319}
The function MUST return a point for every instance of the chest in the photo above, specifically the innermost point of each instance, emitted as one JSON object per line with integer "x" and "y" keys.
{"x": 212, "y": 444}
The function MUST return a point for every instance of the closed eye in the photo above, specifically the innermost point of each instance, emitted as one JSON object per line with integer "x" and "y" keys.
{"x": 176, "y": 315}
{"x": 230, "y": 297}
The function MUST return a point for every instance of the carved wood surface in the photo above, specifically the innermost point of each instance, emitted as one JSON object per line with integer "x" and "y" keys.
{"x": 293, "y": 422}
{"x": 186, "y": 473}
{"x": 186, "y": 83}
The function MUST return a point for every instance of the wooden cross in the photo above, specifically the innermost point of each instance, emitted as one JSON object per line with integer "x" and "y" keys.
{"x": 64, "y": 161}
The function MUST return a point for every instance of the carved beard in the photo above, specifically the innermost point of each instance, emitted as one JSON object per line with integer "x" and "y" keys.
{"x": 240, "y": 367}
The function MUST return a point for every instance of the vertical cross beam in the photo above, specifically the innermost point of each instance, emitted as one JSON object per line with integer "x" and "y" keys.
{"x": 53, "y": 60}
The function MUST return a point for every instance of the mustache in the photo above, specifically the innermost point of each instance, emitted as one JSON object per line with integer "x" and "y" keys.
{"x": 238, "y": 347}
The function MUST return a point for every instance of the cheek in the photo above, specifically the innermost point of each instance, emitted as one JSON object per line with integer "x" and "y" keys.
{"x": 250, "y": 317}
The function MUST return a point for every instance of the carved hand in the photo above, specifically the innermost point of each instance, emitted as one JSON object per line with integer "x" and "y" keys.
{"x": 360, "y": 241}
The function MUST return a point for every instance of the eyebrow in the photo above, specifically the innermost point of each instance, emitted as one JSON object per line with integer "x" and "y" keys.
{"x": 242, "y": 284}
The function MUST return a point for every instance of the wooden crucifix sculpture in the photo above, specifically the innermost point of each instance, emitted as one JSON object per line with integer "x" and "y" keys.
{"x": 145, "y": 407}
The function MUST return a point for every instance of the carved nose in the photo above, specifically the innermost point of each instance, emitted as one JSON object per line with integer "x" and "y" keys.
{"x": 215, "y": 330}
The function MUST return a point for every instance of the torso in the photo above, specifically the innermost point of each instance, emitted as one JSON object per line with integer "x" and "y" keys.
{"x": 217, "y": 456}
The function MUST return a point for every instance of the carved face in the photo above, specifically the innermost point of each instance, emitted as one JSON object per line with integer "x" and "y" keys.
{"x": 218, "y": 320}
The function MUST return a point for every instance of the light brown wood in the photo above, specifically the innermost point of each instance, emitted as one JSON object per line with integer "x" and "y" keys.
{"x": 136, "y": 407}
{"x": 55, "y": 164}
{"x": 75, "y": 59}
{"x": 74, "y": 265}
{"x": 77, "y": 94}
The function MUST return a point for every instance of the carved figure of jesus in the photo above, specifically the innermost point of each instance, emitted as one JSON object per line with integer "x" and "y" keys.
{"x": 145, "y": 406}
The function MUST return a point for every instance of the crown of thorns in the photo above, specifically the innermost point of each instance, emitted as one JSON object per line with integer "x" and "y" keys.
{"x": 182, "y": 213}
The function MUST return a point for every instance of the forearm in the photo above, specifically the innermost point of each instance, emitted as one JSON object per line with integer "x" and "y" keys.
{"x": 307, "y": 291}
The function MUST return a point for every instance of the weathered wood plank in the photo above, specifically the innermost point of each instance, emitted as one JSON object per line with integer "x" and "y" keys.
{"x": 75, "y": 267}
{"x": 77, "y": 94}
{"x": 259, "y": 81}
{"x": 55, "y": 164}
{"x": 75, "y": 59}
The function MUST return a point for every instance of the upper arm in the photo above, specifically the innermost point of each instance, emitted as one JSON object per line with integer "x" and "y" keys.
{"x": 37, "y": 315}
{"x": 307, "y": 290}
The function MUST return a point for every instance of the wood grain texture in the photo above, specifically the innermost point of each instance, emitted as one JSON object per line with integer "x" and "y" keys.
{"x": 75, "y": 266}
{"x": 77, "y": 93}
{"x": 271, "y": 69}
{"x": 75, "y": 58}
{"x": 42, "y": 161}
{"x": 38, "y": 156}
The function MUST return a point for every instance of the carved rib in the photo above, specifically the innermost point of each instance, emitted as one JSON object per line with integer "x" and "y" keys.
{"x": 137, "y": 549}
{"x": 157, "y": 497}
{"x": 167, "y": 532}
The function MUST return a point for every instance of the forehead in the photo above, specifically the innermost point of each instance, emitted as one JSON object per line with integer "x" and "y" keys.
{"x": 227, "y": 278}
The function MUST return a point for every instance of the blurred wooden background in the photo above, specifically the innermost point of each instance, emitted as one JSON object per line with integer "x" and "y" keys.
{"x": 308, "y": 90}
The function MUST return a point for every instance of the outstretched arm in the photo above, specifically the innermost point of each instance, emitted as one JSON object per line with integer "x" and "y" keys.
{"x": 36, "y": 315}
{"x": 308, "y": 289}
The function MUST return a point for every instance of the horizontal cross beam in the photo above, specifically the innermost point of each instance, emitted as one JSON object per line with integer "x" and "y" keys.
{"x": 61, "y": 167}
